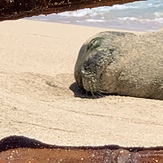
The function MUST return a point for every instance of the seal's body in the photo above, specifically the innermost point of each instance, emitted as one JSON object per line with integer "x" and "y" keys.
{"x": 123, "y": 64}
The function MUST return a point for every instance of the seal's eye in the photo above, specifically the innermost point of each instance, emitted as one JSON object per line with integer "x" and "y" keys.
{"x": 94, "y": 43}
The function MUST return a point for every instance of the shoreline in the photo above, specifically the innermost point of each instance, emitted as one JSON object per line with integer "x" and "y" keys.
{"x": 115, "y": 28}
{"x": 84, "y": 26}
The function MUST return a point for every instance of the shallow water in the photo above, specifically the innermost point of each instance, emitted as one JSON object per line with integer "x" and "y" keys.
{"x": 140, "y": 16}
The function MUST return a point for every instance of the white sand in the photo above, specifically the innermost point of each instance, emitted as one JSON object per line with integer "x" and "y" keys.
{"x": 36, "y": 71}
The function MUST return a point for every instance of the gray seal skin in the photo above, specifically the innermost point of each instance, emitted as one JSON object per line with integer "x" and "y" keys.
{"x": 122, "y": 63}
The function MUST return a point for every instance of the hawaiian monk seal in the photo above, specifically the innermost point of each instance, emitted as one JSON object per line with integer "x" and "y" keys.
{"x": 122, "y": 63}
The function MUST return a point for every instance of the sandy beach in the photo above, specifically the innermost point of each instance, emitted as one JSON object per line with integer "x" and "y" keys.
{"x": 39, "y": 98}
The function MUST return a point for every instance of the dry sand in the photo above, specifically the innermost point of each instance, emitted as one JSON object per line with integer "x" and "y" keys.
{"x": 38, "y": 97}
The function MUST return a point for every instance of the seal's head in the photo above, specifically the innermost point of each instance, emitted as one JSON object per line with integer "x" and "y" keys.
{"x": 93, "y": 58}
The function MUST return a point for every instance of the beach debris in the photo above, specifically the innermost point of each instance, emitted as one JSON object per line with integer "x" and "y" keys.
{"x": 15, "y": 149}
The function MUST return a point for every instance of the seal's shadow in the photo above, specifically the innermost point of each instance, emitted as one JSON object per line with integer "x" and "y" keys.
{"x": 77, "y": 91}
{"x": 82, "y": 93}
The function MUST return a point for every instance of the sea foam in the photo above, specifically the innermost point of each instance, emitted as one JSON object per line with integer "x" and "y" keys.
{"x": 139, "y": 15}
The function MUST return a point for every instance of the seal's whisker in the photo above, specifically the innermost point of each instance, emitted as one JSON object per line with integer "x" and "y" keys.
{"x": 91, "y": 89}
{"x": 99, "y": 94}
{"x": 92, "y": 84}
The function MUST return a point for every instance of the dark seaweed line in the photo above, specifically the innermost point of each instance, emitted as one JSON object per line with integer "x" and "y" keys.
{"x": 14, "y": 141}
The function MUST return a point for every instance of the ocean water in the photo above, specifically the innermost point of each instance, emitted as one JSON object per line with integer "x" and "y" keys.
{"x": 141, "y": 16}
